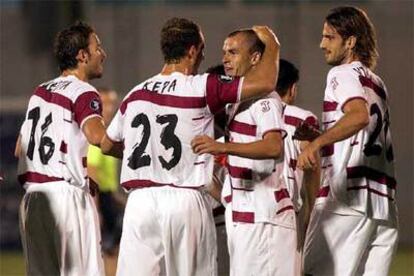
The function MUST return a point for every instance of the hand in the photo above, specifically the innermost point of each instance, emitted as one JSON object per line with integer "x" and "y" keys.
{"x": 266, "y": 35}
{"x": 205, "y": 144}
{"x": 306, "y": 132}
{"x": 308, "y": 159}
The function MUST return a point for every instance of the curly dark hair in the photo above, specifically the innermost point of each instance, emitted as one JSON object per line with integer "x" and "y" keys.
{"x": 69, "y": 41}
{"x": 352, "y": 21}
{"x": 177, "y": 36}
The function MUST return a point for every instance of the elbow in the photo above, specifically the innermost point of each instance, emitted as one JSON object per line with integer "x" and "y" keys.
{"x": 276, "y": 152}
{"x": 95, "y": 139}
{"x": 363, "y": 121}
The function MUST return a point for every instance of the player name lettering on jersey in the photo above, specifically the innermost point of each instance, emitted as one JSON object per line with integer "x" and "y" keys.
{"x": 160, "y": 86}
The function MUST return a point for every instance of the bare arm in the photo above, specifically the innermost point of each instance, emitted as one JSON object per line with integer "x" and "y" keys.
{"x": 261, "y": 79}
{"x": 109, "y": 147}
{"x": 356, "y": 118}
{"x": 271, "y": 146}
{"x": 18, "y": 148}
{"x": 94, "y": 130}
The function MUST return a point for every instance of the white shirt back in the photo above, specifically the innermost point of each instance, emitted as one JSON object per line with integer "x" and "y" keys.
{"x": 53, "y": 146}
{"x": 359, "y": 171}
{"x": 157, "y": 121}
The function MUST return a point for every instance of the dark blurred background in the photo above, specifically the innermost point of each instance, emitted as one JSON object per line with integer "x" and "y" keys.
{"x": 130, "y": 31}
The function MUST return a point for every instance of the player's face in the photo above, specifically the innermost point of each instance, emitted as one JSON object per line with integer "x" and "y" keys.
{"x": 236, "y": 55}
{"x": 96, "y": 57}
{"x": 334, "y": 46}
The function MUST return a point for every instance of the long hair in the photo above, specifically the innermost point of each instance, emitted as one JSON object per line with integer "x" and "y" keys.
{"x": 352, "y": 21}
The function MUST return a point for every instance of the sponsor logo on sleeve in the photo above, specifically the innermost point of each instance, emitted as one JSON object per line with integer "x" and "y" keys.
{"x": 95, "y": 104}
{"x": 225, "y": 79}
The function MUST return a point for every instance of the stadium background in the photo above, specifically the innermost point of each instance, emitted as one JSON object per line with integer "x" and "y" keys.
{"x": 130, "y": 30}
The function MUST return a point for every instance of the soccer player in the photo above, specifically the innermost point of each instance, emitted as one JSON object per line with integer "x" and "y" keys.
{"x": 58, "y": 217}
{"x": 353, "y": 228}
{"x": 302, "y": 185}
{"x": 260, "y": 218}
{"x": 168, "y": 225}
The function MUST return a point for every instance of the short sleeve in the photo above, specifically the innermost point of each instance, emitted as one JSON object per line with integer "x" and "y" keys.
{"x": 267, "y": 114}
{"x": 114, "y": 130}
{"x": 221, "y": 90}
{"x": 94, "y": 154}
{"x": 346, "y": 86}
{"x": 87, "y": 105}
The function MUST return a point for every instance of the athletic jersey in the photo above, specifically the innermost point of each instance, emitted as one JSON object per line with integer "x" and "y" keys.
{"x": 157, "y": 121}
{"x": 293, "y": 116}
{"x": 256, "y": 188}
{"x": 53, "y": 145}
{"x": 358, "y": 172}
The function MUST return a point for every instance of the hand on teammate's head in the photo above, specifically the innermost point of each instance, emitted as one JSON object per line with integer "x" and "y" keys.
{"x": 266, "y": 35}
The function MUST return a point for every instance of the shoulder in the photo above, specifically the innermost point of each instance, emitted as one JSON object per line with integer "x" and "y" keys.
{"x": 292, "y": 110}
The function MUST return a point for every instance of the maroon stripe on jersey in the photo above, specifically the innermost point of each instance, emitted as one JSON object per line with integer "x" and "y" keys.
{"x": 34, "y": 177}
{"x": 247, "y": 217}
{"x": 87, "y": 104}
{"x": 329, "y": 106}
{"x": 371, "y": 174}
{"x": 63, "y": 147}
{"x": 293, "y": 121}
{"x": 240, "y": 172}
{"x": 293, "y": 163}
{"x": 54, "y": 98}
{"x": 312, "y": 121}
{"x": 220, "y": 92}
{"x": 290, "y": 207}
{"x": 133, "y": 184}
{"x": 281, "y": 194}
{"x": 327, "y": 150}
{"x": 164, "y": 100}
{"x": 242, "y": 128}
{"x": 370, "y": 190}
{"x": 323, "y": 192}
{"x": 228, "y": 198}
{"x": 367, "y": 82}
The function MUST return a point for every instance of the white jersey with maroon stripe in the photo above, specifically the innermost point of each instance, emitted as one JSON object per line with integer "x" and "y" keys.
{"x": 293, "y": 116}
{"x": 258, "y": 192}
{"x": 53, "y": 145}
{"x": 358, "y": 172}
{"x": 157, "y": 121}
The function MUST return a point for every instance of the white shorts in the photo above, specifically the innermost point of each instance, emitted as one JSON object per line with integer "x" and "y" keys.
{"x": 167, "y": 231}
{"x": 60, "y": 231}
{"x": 344, "y": 245}
{"x": 261, "y": 249}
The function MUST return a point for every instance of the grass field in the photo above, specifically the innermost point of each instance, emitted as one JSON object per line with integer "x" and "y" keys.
{"x": 12, "y": 264}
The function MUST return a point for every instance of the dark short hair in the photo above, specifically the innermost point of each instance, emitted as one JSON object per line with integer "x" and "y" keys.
{"x": 69, "y": 41}
{"x": 177, "y": 36}
{"x": 217, "y": 69}
{"x": 255, "y": 44}
{"x": 288, "y": 76}
{"x": 352, "y": 21}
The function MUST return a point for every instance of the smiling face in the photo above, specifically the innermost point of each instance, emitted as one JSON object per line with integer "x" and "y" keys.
{"x": 96, "y": 57}
{"x": 334, "y": 46}
{"x": 237, "y": 59}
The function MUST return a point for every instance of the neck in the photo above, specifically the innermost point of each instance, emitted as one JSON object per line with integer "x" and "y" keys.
{"x": 181, "y": 67}
{"x": 81, "y": 75}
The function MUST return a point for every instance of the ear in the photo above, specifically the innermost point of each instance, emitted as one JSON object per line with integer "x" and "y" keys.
{"x": 82, "y": 56}
{"x": 351, "y": 42}
{"x": 255, "y": 58}
{"x": 192, "y": 52}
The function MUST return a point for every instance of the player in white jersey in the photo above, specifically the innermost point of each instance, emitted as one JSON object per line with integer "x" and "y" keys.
{"x": 353, "y": 228}
{"x": 260, "y": 220}
{"x": 168, "y": 225}
{"x": 58, "y": 218}
{"x": 302, "y": 185}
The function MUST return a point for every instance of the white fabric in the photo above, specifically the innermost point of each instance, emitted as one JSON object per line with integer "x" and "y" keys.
{"x": 369, "y": 196}
{"x": 167, "y": 231}
{"x": 293, "y": 176}
{"x": 345, "y": 245}
{"x": 60, "y": 231}
{"x": 64, "y": 128}
{"x": 263, "y": 249}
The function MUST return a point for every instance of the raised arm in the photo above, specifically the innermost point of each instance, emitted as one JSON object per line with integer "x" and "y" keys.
{"x": 261, "y": 79}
